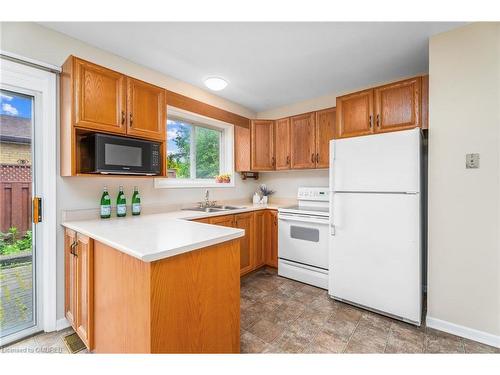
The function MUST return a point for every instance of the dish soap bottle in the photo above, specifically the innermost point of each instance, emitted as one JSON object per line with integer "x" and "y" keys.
{"x": 121, "y": 204}
{"x": 105, "y": 204}
{"x": 136, "y": 202}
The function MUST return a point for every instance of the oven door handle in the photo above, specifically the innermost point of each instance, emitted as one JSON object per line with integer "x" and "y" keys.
{"x": 302, "y": 219}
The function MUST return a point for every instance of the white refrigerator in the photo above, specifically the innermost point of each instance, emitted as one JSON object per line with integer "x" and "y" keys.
{"x": 375, "y": 254}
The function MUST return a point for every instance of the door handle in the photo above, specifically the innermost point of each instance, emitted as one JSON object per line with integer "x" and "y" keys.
{"x": 131, "y": 122}
{"x": 312, "y": 158}
{"x": 370, "y": 122}
{"x": 37, "y": 210}
{"x": 73, "y": 247}
{"x": 378, "y": 120}
{"x": 288, "y": 159}
{"x": 317, "y": 157}
{"x": 273, "y": 161}
{"x": 123, "y": 117}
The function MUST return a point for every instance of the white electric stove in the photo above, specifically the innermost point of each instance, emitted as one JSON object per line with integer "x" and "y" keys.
{"x": 303, "y": 237}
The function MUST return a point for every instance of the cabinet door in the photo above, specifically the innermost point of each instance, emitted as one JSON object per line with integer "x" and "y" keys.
{"x": 355, "y": 114}
{"x": 282, "y": 143}
{"x": 303, "y": 147}
{"x": 146, "y": 110}
{"x": 99, "y": 98}
{"x": 325, "y": 131}
{"x": 225, "y": 221}
{"x": 259, "y": 239}
{"x": 70, "y": 265}
{"x": 271, "y": 238}
{"x": 85, "y": 289}
{"x": 241, "y": 149}
{"x": 262, "y": 155}
{"x": 397, "y": 105}
{"x": 245, "y": 221}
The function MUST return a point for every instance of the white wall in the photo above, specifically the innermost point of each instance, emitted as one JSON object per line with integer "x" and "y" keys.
{"x": 37, "y": 42}
{"x": 285, "y": 183}
{"x": 464, "y": 204}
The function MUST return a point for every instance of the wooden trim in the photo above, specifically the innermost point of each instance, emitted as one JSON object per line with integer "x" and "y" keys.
{"x": 425, "y": 102}
{"x": 195, "y": 106}
{"x": 67, "y": 136}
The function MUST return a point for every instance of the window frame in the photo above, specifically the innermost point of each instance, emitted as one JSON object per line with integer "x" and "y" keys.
{"x": 226, "y": 156}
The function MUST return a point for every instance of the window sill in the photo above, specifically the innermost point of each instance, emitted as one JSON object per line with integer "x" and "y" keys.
{"x": 173, "y": 183}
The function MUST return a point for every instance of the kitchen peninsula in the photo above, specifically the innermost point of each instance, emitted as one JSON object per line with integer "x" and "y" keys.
{"x": 153, "y": 285}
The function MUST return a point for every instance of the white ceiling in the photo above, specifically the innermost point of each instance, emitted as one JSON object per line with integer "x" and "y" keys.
{"x": 269, "y": 65}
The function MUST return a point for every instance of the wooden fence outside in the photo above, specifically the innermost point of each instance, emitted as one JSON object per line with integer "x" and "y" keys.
{"x": 15, "y": 197}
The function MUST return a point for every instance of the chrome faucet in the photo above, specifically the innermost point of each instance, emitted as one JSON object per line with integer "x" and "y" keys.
{"x": 207, "y": 200}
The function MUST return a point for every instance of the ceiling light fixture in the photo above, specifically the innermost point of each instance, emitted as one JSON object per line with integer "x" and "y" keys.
{"x": 215, "y": 83}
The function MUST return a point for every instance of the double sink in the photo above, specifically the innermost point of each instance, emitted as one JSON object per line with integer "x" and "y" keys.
{"x": 216, "y": 208}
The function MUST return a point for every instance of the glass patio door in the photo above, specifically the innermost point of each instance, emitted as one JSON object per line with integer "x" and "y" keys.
{"x": 18, "y": 255}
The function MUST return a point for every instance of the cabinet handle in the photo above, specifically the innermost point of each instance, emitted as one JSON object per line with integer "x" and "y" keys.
{"x": 273, "y": 161}
{"x": 370, "y": 122}
{"x": 131, "y": 122}
{"x": 123, "y": 117}
{"x": 73, "y": 247}
{"x": 312, "y": 157}
{"x": 288, "y": 159}
{"x": 378, "y": 120}
{"x": 317, "y": 158}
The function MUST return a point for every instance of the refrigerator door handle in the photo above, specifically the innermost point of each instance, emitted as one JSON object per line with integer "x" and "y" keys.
{"x": 332, "y": 229}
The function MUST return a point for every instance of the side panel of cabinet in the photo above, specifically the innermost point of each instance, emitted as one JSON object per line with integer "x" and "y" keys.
{"x": 355, "y": 114}
{"x": 146, "y": 110}
{"x": 99, "y": 98}
{"x": 303, "y": 147}
{"x": 397, "y": 105}
{"x": 70, "y": 265}
{"x": 262, "y": 155}
{"x": 85, "y": 287}
{"x": 241, "y": 149}
{"x": 259, "y": 239}
{"x": 282, "y": 143}
{"x": 245, "y": 221}
{"x": 325, "y": 131}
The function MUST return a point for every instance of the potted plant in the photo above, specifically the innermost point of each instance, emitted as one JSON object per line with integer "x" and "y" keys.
{"x": 265, "y": 193}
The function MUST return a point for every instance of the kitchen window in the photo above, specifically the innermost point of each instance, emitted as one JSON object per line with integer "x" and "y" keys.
{"x": 199, "y": 149}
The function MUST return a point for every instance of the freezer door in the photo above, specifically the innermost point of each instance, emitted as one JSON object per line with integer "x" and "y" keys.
{"x": 375, "y": 253}
{"x": 388, "y": 162}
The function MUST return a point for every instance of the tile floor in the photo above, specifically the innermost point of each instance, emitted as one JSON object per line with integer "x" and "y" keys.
{"x": 283, "y": 316}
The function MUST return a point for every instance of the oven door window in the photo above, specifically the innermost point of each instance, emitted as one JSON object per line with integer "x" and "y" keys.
{"x": 304, "y": 233}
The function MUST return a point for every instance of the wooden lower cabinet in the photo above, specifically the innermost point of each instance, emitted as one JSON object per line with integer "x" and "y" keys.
{"x": 79, "y": 285}
{"x": 271, "y": 238}
{"x": 259, "y": 246}
{"x": 246, "y": 221}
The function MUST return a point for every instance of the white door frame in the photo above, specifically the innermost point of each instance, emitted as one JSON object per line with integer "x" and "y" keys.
{"x": 40, "y": 84}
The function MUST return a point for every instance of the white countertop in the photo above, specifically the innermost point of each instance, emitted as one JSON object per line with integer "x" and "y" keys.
{"x": 157, "y": 236}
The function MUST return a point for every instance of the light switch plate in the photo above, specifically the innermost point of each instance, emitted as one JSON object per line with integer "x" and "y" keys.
{"x": 471, "y": 161}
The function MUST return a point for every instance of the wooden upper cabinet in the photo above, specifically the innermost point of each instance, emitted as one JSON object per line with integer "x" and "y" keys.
{"x": 302, "y": 144}
{"x": 85, "y": 284}
{"x": 355, "y": 114}
{"x": 146, "y": 110}
{"x": 325, "y": 131}
{"x": 99, "y": 97}
{"x": 397, "y": 105}
{"x": 262, "y": 145}
{"x": 282, "y": 143}
{"x": 246, "y": 221}
{"x": 241, "y": 149}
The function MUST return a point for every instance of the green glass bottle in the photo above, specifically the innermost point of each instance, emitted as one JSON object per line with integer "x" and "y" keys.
{"x": 121, "y": 203}
{"x": 105, "y": 204}
{"x": 136, "y": 202}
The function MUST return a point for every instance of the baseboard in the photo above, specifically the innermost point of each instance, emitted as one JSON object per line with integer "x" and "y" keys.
{"x": 462, "y": 331}
{"x": 61, "y": 324}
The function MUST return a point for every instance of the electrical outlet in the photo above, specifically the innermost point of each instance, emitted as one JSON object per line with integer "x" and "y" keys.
{"x": 471, "y": 161}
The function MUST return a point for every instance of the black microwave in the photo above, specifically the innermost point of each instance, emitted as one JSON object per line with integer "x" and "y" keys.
{"x": 110, "y": 154}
